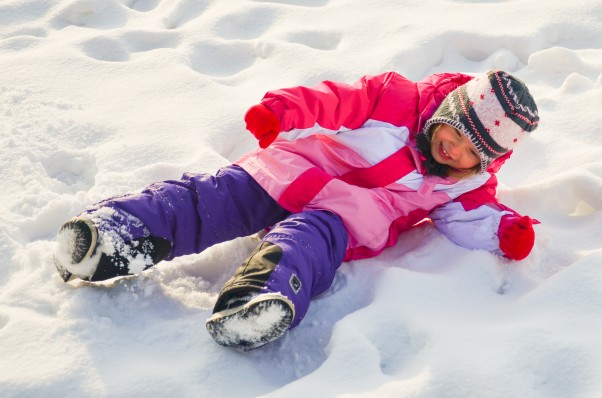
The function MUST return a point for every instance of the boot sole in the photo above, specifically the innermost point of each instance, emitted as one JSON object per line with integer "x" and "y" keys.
{"x": 65, "y": 274}
{"x": 262, "y": 320}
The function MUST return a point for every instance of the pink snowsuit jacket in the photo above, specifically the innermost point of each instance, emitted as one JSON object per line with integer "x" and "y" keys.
{"x": 351, "y": 149}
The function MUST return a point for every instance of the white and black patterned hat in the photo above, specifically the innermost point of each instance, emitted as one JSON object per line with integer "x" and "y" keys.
{"x": 494, "y": 110}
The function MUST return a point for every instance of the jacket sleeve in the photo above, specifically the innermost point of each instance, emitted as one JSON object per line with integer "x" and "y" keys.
{"x": 476, "y": 220}
{"x": 331, "y": 105}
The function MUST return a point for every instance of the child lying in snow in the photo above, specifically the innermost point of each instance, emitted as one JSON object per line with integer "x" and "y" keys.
{"x": 341, "y": 171}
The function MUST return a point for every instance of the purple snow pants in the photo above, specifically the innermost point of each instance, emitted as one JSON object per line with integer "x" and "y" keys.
{"x": 298, "y": 257}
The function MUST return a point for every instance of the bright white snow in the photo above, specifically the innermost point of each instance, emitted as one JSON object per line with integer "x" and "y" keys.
{"x": 102, "y": 97}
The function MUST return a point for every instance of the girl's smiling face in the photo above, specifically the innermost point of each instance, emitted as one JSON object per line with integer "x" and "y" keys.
{"x": 452, "y": 148}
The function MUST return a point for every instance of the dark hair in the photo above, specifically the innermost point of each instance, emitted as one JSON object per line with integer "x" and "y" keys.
{"x": 423, "y": 144}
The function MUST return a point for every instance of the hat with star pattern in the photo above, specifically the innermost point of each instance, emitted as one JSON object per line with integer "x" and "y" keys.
{"x": 494, "y": 110}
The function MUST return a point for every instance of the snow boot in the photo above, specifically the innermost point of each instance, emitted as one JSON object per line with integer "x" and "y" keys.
{"x": 251, "y": 321}
{"x": 75, "y": 253}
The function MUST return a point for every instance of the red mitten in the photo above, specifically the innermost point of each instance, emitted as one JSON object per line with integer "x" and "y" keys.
{"x": 516, "y": 236}
{"x": 263, "y": 124}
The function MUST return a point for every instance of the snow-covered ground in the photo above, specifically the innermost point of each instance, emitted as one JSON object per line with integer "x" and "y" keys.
{"x": 100, "y": 97}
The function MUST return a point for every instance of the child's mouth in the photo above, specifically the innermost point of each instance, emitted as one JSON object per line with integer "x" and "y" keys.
{"x": 443, "y": 153}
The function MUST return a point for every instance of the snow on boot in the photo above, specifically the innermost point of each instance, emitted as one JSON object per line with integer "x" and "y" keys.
{"x": 75, "y": 252}
{"x": 252, "y": 321}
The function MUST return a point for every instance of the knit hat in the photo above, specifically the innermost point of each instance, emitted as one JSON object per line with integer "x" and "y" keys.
{"x": 494, "y": 110}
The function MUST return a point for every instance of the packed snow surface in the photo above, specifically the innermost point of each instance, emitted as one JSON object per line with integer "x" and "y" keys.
{"x": 103, "y": 97}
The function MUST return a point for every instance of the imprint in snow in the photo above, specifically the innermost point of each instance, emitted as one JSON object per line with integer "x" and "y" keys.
{"x": 302, "y": 3}
{"x": 76, "y": 170}
{"x": 22, "y": 12}
{"x": 245, "y": 25}
{"x": 576, "y": 83}
{"x": 222, "y": 60}
{"x": 184, "y": 12}
{"x": 98, "y": 14}
{"x": 317, "y": 40}
{"x": 142, "y": 41}
{"x": 23, "y": 39}
{"x": 477, "y": 1}
{"x": 142, "y": 5}
{"x": 560, "y": 62}
{"x": 3, "y": 321}
{"x": 105, "y": 49}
